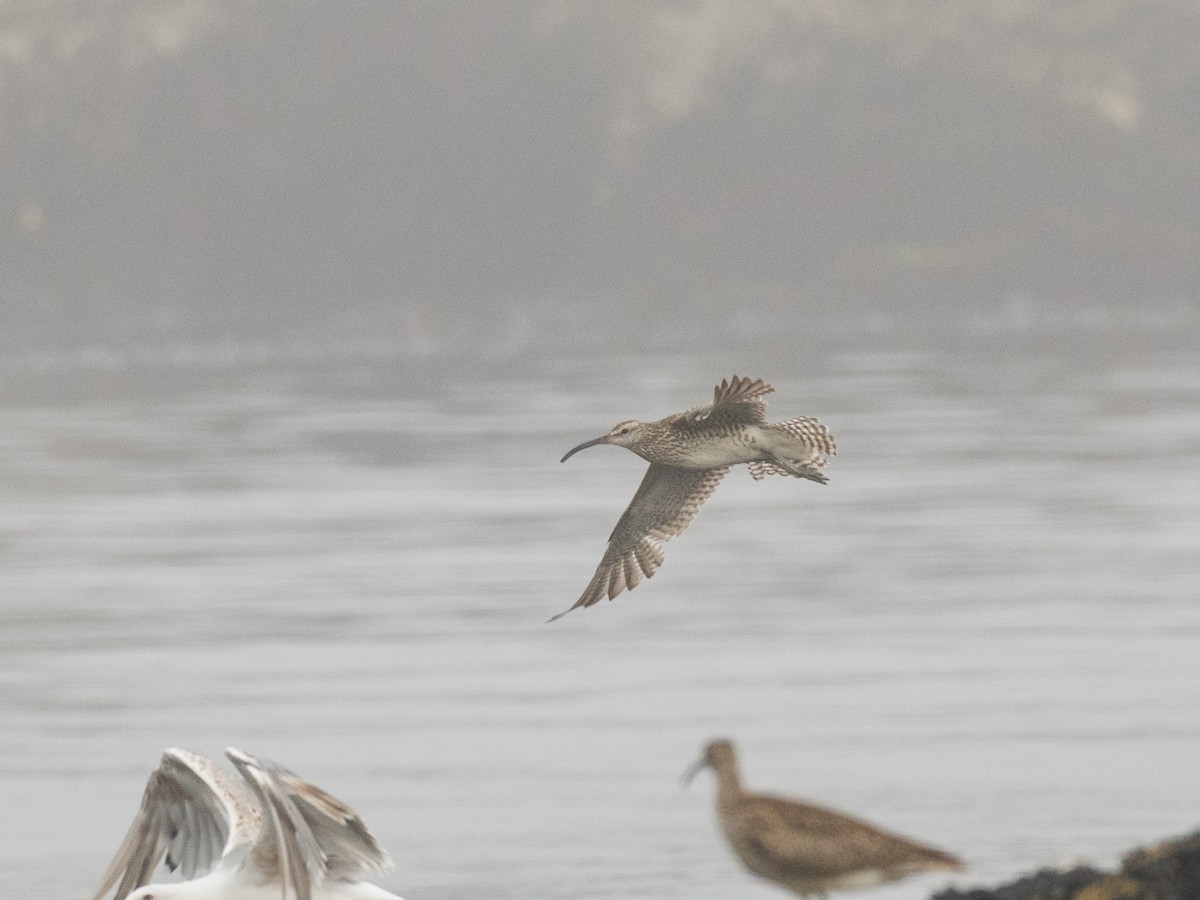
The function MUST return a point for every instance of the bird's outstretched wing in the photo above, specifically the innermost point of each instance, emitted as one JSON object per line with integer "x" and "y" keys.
{"x": 736, "y": 401}
{"x": 341, "y": 846}
{"x": 285, "y": 849}
{"x": 192, "y": 813}
{"x": 663, "y": 507}
{"x": 349, "y": 847}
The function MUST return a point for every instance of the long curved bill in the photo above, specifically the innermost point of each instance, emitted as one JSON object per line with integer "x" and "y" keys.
{"x": 603, "y": 439}
{"x": 691, "y": 770}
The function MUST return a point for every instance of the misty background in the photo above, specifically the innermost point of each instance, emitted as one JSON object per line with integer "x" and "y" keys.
{"x": 301, "y": 303}
{"x": 200, "y": 169}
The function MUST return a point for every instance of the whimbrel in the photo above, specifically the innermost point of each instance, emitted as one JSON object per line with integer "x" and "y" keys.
{"x": 275, "y": 837}
{"x": 805, "y": 848}
{"x": 689, "y": 453}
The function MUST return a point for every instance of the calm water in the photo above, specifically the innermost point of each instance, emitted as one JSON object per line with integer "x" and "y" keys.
{"x": 983, "y": 632}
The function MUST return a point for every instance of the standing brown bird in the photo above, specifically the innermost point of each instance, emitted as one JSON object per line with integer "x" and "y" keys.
{"x": 805, "y": 848}
{"x": 689, "y": 454}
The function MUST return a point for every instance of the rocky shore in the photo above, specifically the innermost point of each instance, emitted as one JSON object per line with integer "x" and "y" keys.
{"x": 1166, "y": 871}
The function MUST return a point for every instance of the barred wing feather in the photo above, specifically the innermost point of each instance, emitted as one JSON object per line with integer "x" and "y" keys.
{"x": 665, "y": 504}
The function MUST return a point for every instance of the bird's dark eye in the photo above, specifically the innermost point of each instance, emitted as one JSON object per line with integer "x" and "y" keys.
{"x": 623, "y": 431}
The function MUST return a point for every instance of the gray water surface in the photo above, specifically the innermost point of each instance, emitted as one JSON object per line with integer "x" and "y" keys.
{"x": 982, "y": 633}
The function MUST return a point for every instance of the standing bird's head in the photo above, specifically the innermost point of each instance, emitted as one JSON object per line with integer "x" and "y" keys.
{"x": 623, "y": 434}
{"x": 718, "y": 755}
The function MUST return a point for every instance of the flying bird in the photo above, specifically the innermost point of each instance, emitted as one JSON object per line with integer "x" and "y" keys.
{"x": 689, "y": 453}
{"x": 806, "y": 848}
{"x": 270, "y": 836}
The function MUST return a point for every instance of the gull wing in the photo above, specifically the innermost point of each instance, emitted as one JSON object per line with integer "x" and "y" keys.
{"x": 349, "y": 847}
{"x": 192, "y": 814}
{"x": 664, "y": 506}
{"x": 736, "y": 401}
{"x": 284, "y": 849}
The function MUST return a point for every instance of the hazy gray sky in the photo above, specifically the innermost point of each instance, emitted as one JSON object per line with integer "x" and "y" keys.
{"x": 188, "y": 166}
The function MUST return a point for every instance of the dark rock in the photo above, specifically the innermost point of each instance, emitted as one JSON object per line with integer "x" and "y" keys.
{"x": 1166, "y": 871}
{"x": 1046, "y": 884}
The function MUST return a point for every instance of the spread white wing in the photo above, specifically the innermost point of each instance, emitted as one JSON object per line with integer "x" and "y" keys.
{"x": 311, "y": 833}
{"x": 192, "y": 815}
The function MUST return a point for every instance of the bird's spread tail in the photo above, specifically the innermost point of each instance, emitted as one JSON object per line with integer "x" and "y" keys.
{"x": 812, "y": 443}
{"x": 814, "y": 435}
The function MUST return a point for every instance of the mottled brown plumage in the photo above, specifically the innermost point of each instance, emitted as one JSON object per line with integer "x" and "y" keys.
{"x": 689, "y": 453}
{"x": 806, "y": 848}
